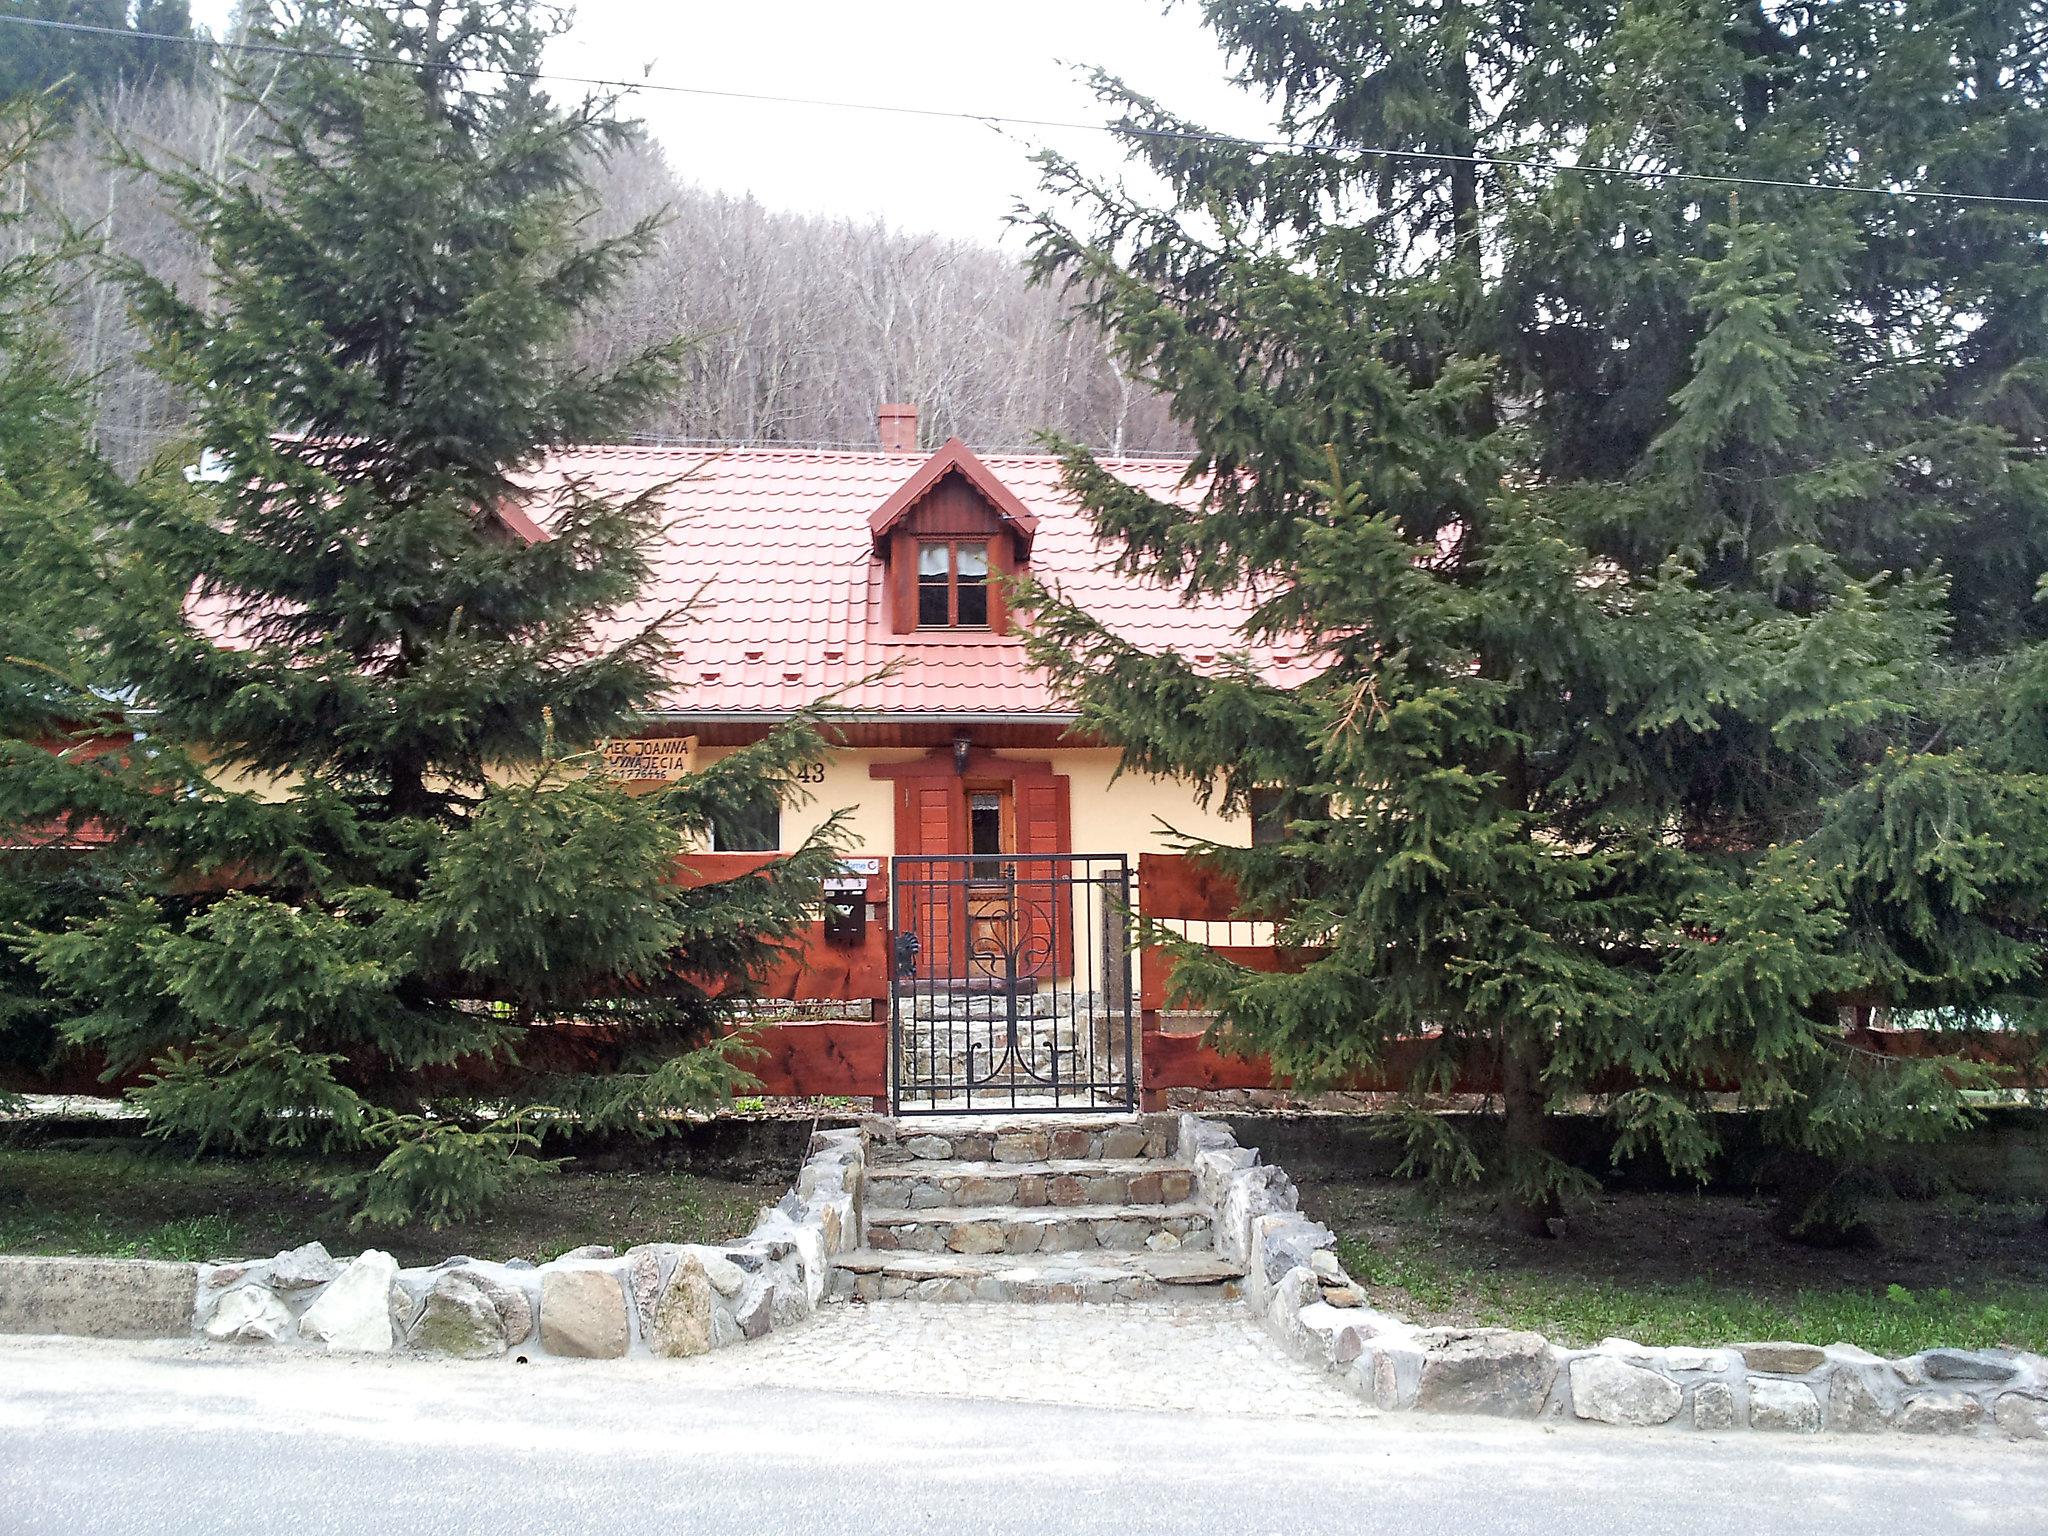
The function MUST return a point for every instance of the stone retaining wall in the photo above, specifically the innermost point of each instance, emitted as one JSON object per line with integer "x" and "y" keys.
{"x": 593, "y": 1303}
{"x": 1295, "y": 1283}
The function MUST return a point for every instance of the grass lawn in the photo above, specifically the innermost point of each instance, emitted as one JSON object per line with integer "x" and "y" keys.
{"x": 126, "y": 1199}
{"x": 1700, "y": 1269}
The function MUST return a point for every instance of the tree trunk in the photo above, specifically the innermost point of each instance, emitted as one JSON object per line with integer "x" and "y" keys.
{"x": 1525, "y": 1132}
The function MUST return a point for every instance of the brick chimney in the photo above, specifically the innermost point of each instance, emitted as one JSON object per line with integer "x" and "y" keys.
{"x": 899, "y": 428}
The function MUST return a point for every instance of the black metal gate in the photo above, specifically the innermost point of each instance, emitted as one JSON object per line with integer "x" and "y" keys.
{"x": 1011, "y": 988}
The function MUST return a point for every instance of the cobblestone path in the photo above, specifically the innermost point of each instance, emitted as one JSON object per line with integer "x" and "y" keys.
{"x": 1173, "y": 1356}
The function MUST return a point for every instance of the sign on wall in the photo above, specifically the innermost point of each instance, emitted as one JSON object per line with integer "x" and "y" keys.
{"x": 649, "y": 758}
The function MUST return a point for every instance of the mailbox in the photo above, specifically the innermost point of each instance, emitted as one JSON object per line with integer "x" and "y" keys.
{"x": 846, "y": 910}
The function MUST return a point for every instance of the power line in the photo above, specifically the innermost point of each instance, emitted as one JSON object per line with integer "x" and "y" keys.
{"x": 1001, "y": 120}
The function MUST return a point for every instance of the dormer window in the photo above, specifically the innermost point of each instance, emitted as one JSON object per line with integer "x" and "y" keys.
{"x": 952, "y": 584}
{"x": 943, "y": 538}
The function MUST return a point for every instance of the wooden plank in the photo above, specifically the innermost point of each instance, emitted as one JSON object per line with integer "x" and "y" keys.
{"x": 1179, "y": 887}
{"x": 1188, "y": 1061}
{"x": 700, "y": 869}
{"x": 817, "y": 970}
{"x": 839, "y": 1057}
{"x": 1155, "y": 966}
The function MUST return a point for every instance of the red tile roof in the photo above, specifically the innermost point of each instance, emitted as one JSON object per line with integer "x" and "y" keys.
{"x": 772, "y": 549}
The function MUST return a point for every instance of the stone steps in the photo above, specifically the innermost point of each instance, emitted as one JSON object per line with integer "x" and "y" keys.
{"x": 1058, "y": 1181}
{"x": 874, "y": 1275}
{"x": 1024, "y": 1207}
{"x": 1040, "y": 1229}
{"x": 1003, "y": 1138}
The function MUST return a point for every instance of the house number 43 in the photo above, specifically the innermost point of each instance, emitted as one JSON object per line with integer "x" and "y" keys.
{"x": 811, "y": 773}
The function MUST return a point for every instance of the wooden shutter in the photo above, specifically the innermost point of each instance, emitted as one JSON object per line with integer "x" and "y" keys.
{"x": 1044, "y": 827}
{"x": 1044, "y": 816}
{"x": 931, "y": 816}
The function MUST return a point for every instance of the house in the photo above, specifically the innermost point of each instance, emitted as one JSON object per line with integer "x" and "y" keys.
{"x": 995, "y": 842}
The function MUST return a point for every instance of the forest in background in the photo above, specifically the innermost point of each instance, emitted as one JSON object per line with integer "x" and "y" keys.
{"x": 803, "y": 324}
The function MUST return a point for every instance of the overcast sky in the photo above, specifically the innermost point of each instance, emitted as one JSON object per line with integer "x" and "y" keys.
{"x": 1012, "y": 57}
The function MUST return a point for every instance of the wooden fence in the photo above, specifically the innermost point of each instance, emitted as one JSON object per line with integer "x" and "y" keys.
{"x": 824, "y": 1049}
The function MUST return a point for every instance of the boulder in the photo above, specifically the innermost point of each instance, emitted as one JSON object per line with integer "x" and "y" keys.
{"x": 513, "y": 1306}
{"x": 2022, "y": 1415}
{"x": 302, "y": 1268}
{"x": 680, "y": 1322}
{"x": 98, "y": 1298}
{"x": 1966, "y": 1365}
{"x": 755, "y": 1310}
{"x": 582, "y": 1312}
{"x": 458, "y": 1319}
{"x": 1789, "y": 1406}
{"x": 1286, "y": 1241}
{"x": 930, "y": 1148}
{"x": 1340, "y": 1337}
{"x": 249, "y": 1314}
{"x": 408, "y": 1297}
{"x": 587, "y": 1251}
{"x": 1713, "y": 1406}
{"x": 788, "y": 1303}
{"x": 1782, "y": 1359}
{"x": 1485, "y": 1370}
{"x": 354, "y": 1312}
{"x": 649, "y": 1267}
{"x": 1613, "y": 1391}
{"x": 1692, "y": 1359}
{"x": 1858, "y": 1402}
{"x": 1940, "y": 1413}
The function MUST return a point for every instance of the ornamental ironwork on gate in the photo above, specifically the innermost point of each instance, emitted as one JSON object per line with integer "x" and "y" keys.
{"x": 1011, "y": 983}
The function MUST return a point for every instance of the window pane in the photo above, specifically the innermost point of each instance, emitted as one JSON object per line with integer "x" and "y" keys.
{"x": 985, "y": 819}
{"x": 931, "y": 560}
{"x": 1269, "y": 817}
{"x": 973, "y": 561}
{"x": 985, "y": 834}
{"x": 931, "y": 604}
{"x": 755, "y": 827}
{"x": 973, "y": 604}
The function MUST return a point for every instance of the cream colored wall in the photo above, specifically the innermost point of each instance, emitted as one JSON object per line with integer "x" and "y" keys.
{"x": 1131, "y": 815}
{"x": 1134, "y": 814}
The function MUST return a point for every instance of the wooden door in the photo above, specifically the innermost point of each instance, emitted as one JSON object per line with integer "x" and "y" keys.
{"x": 968, "y": 926}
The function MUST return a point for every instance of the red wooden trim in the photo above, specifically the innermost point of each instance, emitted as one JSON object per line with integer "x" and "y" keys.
{"x": 1002, "y": 562}
{"x": 899, "y": 581}
{"x": 519, "y": 525}
{"x": 954, "y": 457}
{"x": 981, "y": 764}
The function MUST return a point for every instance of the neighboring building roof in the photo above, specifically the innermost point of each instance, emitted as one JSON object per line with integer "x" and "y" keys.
{"x": 772, "y": 550}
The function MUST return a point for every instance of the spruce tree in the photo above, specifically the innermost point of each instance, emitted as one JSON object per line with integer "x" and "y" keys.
{"x": 55, "y": 493}
{"x": 389, "y": 908}
{"x": 1613, "y": 508}
{"x": 80, "y": 65}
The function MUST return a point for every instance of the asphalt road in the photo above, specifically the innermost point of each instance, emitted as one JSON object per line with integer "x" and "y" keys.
{"x": 99, "y": 1437}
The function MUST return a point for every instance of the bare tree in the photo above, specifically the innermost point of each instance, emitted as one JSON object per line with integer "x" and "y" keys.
{"x": 803, "y": 324}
